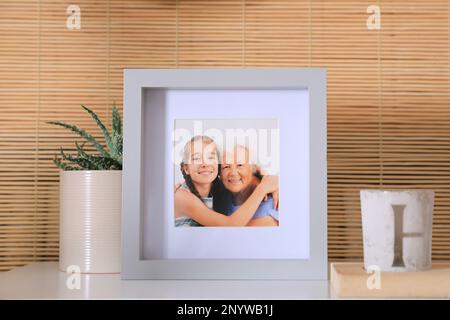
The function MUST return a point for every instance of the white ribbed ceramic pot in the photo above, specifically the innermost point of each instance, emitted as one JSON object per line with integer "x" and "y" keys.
{"x": 90, "y": 214}
{"x": 397, "y": 226}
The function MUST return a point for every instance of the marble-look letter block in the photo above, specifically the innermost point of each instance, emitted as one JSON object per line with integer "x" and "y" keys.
{"x": 397, "y": 229}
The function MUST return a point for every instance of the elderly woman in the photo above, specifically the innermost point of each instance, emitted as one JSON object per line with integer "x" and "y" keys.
{"x": 241, "y": 179}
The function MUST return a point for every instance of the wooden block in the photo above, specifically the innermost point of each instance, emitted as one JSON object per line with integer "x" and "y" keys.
{"x": 349, "y": 280}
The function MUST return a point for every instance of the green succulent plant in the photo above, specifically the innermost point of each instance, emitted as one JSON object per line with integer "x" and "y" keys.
{"x": 109, "y": 158}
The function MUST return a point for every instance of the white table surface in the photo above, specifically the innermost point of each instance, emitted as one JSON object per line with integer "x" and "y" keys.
{"x": 43, "y": 280}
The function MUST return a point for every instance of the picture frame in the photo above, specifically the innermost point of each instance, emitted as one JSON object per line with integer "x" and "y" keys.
{"x": 139, "y": 84}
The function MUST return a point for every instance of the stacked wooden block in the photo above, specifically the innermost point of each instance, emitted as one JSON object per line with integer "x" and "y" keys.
{"x": 350, "y": 280}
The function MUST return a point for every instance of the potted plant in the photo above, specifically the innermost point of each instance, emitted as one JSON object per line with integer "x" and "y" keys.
{"x": 91, "y": 199}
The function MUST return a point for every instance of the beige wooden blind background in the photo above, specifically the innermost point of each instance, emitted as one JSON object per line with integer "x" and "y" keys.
{"x": 388, "y": 94}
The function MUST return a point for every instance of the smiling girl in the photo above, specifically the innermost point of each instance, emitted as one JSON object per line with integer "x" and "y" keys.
{"x": 194, "y": 197}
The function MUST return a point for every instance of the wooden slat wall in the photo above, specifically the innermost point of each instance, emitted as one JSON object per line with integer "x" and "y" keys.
{"x": 388, "y": 94}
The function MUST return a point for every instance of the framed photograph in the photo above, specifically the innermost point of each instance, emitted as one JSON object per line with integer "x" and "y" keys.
{"x": 224, "y": 174}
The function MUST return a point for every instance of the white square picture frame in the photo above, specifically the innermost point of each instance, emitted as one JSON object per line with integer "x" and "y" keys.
{"x": 151, "y": 103}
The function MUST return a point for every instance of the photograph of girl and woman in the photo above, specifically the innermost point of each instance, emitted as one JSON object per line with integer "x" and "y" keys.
{"x": 223, "y": 186}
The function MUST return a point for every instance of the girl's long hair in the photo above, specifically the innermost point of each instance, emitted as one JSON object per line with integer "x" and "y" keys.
{"x": 217, "y": 188}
